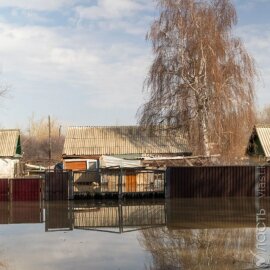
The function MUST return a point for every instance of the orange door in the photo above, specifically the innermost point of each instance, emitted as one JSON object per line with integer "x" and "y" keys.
{"x": 131, "y": 182}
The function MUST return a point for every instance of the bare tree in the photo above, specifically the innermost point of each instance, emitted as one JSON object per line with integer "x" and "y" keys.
{"x": 202, "y": 78}
{"x": 35, "y": 143}
{"x": 4, "y": 89}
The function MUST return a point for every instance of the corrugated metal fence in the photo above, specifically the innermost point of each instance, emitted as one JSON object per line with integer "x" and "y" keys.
{"x": 4, "y": 190}
{"x": 26, "y": 189}
{"x": 217, "y": 181}
{"x": 21, "y": 189}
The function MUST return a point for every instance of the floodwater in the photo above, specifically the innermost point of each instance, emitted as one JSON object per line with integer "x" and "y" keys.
{"x": 164, "y": 234}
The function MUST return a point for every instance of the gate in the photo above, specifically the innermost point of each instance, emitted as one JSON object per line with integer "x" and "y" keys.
{"x": 58, "y": 185}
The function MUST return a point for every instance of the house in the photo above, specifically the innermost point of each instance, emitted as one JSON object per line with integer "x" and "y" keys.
{"x": 259, "y": 143}
{"x": 10, "y": 152}
{"x": 86, "y": 147}
{"x": 120, "y": 150}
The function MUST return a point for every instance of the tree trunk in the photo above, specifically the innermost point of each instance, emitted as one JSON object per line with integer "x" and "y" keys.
{"x": 204, "y": 132}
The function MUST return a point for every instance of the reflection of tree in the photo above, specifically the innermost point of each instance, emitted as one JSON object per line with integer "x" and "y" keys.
{"x": 199, "y": 249}
{"x": 3, "y": 265}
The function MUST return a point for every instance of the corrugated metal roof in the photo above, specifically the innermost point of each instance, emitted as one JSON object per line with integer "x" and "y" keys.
{"x": 8, "y": 142}
{"x": 121, "y": 140}
{"x": 263, "y": 132}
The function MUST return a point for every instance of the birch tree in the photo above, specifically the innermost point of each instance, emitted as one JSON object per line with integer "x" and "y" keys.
{"x": 202, "y": 78}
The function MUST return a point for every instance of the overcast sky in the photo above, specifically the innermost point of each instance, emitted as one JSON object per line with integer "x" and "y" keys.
{"x": 84, "y": 61}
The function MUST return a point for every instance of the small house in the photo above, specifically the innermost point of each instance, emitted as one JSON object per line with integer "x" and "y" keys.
{"x": 114, "y": 147}
{"x": 10, "y": 152}
{"x": 84, "y": 146}
{"x": 259, "y": 143}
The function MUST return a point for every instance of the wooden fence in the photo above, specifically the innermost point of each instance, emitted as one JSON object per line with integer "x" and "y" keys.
{"x": 21, "y": 189}
{"x": 217, "y": 181}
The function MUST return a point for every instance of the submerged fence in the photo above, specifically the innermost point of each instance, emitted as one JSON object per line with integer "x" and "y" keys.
{"x": 218, "y": 181}
{"x": 119, "y": 181}
{"x": 116, "y": 182}
{"x": 21, "y": 189}
{"x": 177, "y": 182}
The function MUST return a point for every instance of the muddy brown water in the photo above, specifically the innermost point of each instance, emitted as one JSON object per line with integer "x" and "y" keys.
{"x": 150, "y": 234}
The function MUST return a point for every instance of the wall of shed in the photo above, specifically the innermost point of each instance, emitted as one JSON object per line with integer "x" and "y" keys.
{"x": 8, "y": 167}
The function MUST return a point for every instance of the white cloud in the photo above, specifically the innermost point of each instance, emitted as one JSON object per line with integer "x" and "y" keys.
{"x": 138, "y": 27}
{"x": 39, "y": 5}
{"x": 28, "y": 247}
{"x": 73, "y": 68}
{"x": 109, "y": 9}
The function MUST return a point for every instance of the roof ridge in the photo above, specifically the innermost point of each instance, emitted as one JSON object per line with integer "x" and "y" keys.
{"x": 11, "y": 129}
{"x": 103, "y": 126}
{"x": 262, "y": 125}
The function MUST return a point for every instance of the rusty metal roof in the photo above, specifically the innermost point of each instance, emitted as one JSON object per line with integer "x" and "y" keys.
{"x": 263, "y": 132}
{"x": 9, "y": 139}
{"x": 123, "y": 140}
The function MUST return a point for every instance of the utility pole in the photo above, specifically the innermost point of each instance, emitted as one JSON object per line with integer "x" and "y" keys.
{"x": 60, "y": 129}
{"x": 50, "y": 140}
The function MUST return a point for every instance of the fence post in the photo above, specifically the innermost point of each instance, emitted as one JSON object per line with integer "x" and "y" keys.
{"x": 120, "y": 214}
{"x": 10, "y": 190}
{"x": 120, "y": 184}
{"x": 70, "y": 185}
{"x": 47, "y": 181}
{"x": 167, "y": 183}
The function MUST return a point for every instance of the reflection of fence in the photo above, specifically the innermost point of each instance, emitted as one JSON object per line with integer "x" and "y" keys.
{"x": 21, "y": 212}
{"x": 58, "y": 216}
{"x": 119, "y": 181}
{"x": 198, "y": 213}
{"x": 21, "y": 189}
{"x": 122, "y": 217}
{"x": 110, "y": 217}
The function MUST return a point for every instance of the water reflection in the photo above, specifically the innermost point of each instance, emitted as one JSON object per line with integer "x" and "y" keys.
{"x": 205, "y": 234}
{"x": 110, "y": 216}
{"x": 175, "y": 234}
{"x": 21, "y": 212}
